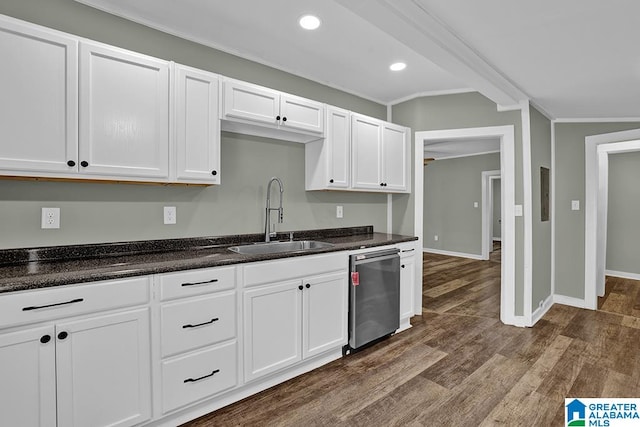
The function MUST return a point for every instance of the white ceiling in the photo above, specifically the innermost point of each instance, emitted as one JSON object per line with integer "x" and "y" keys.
{"x": 571, "y": 58}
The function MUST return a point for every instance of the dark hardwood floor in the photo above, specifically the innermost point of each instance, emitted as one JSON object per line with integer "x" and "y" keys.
{"x": 460, "y": 366}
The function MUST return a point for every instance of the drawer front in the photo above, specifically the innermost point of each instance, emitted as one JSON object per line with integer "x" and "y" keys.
{"x": 261, "y": 273}
{"x": 66, "y": 301}
{"x": 196, "y": 282}
{"x": 187, "y": 325}
{"x": 198, "y": 375}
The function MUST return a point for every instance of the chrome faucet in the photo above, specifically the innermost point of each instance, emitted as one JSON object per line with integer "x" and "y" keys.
{"x": 268, "y": 234}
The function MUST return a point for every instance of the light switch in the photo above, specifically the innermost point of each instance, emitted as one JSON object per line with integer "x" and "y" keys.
{"x": 575, "y": 205}
{"x": 475, "y": 204}
{"x": 517, "y": 209}
{"x": 339, "y": 212}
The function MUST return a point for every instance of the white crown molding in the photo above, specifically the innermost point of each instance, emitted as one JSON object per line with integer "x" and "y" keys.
{"x": 410, "y": 23}
{"x": 431, "y": 93}
{"x": 597, "y": 120}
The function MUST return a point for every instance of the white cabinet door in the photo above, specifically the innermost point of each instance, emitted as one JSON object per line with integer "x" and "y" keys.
{"x": 250, "y": 102}
{"x": 272, "y": 328}
{"x": 407, "y": 284}
{"x": 39, "y": 107}
{"x": 124, "y": 124}
{"x": 395, "y": 161}
{"x": 28, "y": 378}
{"x": 301, "y": 113}
{"x": 366, "y": 145}
{"x": 103, "y": 370}
{"x": 197, "y": 126}
{"x": 324, "y": 313}
{"x": 338, "y": 141}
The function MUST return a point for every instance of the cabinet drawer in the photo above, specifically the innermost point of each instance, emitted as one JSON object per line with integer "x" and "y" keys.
{"x": 198, "y": 375}
{"x": 42, "y": 305}
{"x": 276, "y": 271}
{"x": 196, "y": 282}
{"x": 187, "y": 325}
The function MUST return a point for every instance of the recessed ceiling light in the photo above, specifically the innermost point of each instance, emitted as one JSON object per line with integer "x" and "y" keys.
{"x": 398, "y": 66}
{"x": 309, "y": 22}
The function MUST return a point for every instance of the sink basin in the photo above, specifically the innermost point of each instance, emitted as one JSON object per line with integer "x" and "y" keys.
{"x": 279, "y": 247}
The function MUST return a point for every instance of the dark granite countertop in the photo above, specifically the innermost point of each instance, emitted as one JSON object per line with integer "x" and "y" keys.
{"x": 33, "y": 268}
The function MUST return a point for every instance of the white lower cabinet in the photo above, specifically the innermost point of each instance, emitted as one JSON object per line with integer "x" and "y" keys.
{"x": 407, "y": 281}
{"x": 84, "y": 371}
{"x": 292, "y": 320}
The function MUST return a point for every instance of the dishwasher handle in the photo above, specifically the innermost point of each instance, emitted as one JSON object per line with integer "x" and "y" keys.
{"x": 374, "y": 256}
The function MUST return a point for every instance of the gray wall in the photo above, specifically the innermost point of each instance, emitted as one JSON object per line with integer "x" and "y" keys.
{"x": 540, "y": 157}
{"x": 570, "y": 185}
{"x": 497, "y": 209}
{"x": 453, "y": 112}
{"x": 623, "y": 230}
{"x": 116, "y": 212}
{"x": 451, "y": 186}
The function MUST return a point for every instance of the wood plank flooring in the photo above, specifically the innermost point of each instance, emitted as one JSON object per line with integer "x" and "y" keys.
{"x": 460, "y": 366}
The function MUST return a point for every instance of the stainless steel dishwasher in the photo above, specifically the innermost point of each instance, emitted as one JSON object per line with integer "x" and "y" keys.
{"x": 374, "y": 297}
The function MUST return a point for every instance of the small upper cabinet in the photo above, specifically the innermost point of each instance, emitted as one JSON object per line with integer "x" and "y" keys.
{"x": 395, "y": 159}
{"x": 197, "y": 126}
{"x": 39, "y": 108}
{"x": 124, "y": 125}
{"x": 256, "y": 110}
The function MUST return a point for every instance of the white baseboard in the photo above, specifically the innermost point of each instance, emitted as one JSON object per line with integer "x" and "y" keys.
{"x": 571, "y": 301}
{"x": 622, "y": 274}
{"x": 541, "y": 311}
{"x": 497, "y": 239}
{"x": 450, "y": 253}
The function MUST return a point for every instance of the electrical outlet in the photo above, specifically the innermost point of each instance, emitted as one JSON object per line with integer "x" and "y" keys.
{"x": 475, "y": 204}
{"x": 50, "y": 218}
{"x": 339, "y": 212}
{"x": 435, "y": 237}
{"x": 170, "y": 215}
{"x": 575, "y": 205}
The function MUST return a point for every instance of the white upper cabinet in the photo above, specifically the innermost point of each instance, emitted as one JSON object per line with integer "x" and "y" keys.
{"x": 197, "y": 126}
{"x": 380, "y": 155}
{"x": 124, "y": 120}
{"x": 328, "y": 161}
{"x": 264, "y": 112}
{"x": 366, "y": 142}
{"x": 39, "y": 108}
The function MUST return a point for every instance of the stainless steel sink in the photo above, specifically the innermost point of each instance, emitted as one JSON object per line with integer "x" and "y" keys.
{"x": 279, "y": 247}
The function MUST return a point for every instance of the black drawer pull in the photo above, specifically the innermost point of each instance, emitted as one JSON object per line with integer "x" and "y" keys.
{"x": 201, "y": 324}
{"x": 200, "y": 283}
{"x": 193, "y": 380}
{"x": 408, "y": 250}
{"x": 38, "y": 307}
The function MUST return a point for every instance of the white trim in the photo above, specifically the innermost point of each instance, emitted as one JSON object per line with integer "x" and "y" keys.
{"x": 622, "y": 274}
{"x": 431, "y": 93}
{"x": 570, "y": 301}
{"x": 487, "y": 209}
{"x": 597, "y": 120}
{"x": 497, "y": 239}
{"x": 507, "y": 169}
{"x": 452, "y": 253}
{"x": 510, "y": 107}
{"x": 528, "y": 212}
{"x": 542, "y": 310}
{"x": 418, "y": 192}
{"x": 552, "y": 212}
{"x": 464, "y": 155}
{"x": 597, "y": 149}
{"x": 541, "y": 110}
{"x": 389, "y": 213}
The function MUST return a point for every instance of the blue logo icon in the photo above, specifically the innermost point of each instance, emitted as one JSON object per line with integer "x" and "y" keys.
{"x": 576, "y": 413}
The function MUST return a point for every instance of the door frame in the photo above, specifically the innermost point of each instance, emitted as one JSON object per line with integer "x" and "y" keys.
{"x": 506, "y": 134}
{"x": 597, "y": 150}
{"x": 487, "y": 210}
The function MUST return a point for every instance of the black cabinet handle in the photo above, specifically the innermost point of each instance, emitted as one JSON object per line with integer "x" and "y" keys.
{"x": 382, "y": 184}
{"x": 277, "y": 118}
{"x": 200, "y": 283}
{"x": 38, "y": 307}
{"x": 331, "y": 181}
{"x": 84, "y": 163}
{"x": 193, "y": 380}
{"x": 307, "y": 286}
{"x": 62, "y": 335}
{"x": 71, "y": 163}
{"x": 402, "y": 266}
{"x": 45, "y": 339}
{"x": 300, "y": 287}
{"x": 215, "y": 319}
{"x": 284, "y": 119}
{"x": 214, "y": 173}
{"x": 385, "y": 184}
{"x": 408, "y": 250}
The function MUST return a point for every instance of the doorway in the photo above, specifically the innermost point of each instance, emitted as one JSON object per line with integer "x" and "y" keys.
{"x": 489, "y": 193}
{"x": 507, "y": 172}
